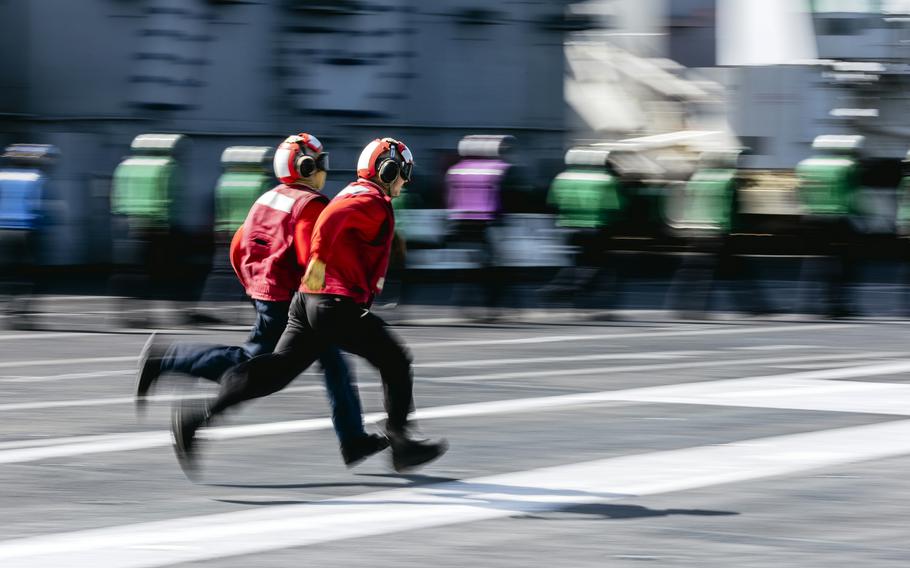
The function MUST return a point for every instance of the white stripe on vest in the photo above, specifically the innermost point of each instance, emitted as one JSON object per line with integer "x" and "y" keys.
{"x": 275, "y": 200}
{"x": 355, "y": 190}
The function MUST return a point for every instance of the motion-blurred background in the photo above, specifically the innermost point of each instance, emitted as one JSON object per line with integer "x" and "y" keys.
{"x": 621, "y": 153}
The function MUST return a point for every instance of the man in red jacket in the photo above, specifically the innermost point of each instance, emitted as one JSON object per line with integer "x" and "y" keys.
{"x": 349, "y": 256}
{"x": 269, "y": 253}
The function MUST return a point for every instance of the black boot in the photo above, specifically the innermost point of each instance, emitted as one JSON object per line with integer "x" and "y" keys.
{"x": 149, "y": 369}
{"x": 186, "y": 418}
{"x": 359, "y": 449}
{"x": 408, "y": 453}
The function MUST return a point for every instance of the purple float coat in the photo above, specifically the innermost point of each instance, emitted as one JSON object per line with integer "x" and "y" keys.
{"x": 474, "y": 186}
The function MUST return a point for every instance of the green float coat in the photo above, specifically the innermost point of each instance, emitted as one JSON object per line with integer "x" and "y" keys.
{"x": 827, "y": 185}
{"x": 235, "y": 193}
{"x": 710, "y": 195}
{"x": 585, "y": 198}
{"x": 143, "y": 187}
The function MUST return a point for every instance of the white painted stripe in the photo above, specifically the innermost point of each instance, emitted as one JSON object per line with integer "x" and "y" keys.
{"x": 139, "y": 310}
{"x": 94, "y": 375}
{"x": 69, "y": 440}
{"x": 654, "y": 367}
{"x": 662, "y": 332}
{"x": 13, "y": 406}
{"x": 223, "y": 535}
{"x": 76, "y": 361}
{"x": 76, "y": 298}
{"x": 105, "y": 335}
{"x": 144, "y": 440}
{"x": 806, "y": 366}
{"x": 797, "y": 391}
{"x": 533, "y": 360}
{"x": 492, "y": 376}
{"x": 439, "y": 364}
{"x": 47, "y": 335}
{"x": 732, "y": 330}
{"x": 102, "y": 444}
{"x": 787, "y": 347}
{"x": 66, "y": 376}
{"x": 277, "y": 201}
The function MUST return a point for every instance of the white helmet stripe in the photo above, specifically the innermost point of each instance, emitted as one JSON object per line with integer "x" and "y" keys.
{"x": 280, "y": 163}
{"x": 314, "y": 144}
{"x": 363, "y": 163}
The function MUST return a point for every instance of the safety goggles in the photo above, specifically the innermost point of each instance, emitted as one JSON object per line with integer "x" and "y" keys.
{"x": 407, "y": 169}
{"x": 322, "y": 161}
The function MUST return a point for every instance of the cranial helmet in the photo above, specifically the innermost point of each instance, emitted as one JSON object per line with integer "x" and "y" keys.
{"x": 299, "y": 156}
{"x": 385, "y": 158}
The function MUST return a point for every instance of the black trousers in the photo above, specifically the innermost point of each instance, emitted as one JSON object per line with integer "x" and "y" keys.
{"x": 836, "y": 239}
{"x": 316, "y": 321}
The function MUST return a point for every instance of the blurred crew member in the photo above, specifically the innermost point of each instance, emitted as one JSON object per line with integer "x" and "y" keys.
{"x": 475, "y": 192}
{"x": 24, "y": 177}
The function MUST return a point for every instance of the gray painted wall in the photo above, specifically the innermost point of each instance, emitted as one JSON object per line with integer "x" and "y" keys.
{"x": 92, "y": 74}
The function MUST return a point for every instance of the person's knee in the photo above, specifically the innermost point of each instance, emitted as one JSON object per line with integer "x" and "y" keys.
{"x": 399, "y": 361}
{"x": 251, "y": 350}
{"x": 332, "y": 362}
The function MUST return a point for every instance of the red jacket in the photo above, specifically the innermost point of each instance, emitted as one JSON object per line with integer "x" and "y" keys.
{"x": 270, "y": 250}
{"x": 353, "y": 237}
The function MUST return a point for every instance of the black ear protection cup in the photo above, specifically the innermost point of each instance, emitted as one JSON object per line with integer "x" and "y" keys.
{"x": 388, "y": 170}
{"x": 305, "y": 165}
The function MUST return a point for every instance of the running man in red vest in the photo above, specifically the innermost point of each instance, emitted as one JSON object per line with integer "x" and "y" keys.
{"x": 269, "y": 254}
{"x": 349, "y": 256}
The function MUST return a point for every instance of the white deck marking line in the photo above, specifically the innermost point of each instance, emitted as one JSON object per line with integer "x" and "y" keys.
{"x": 88, "y": 375}
{"x": 206, "y": 537}
{"x": 75, "y": 361}
{"x": 155, "y": 398}
{"x": 136, "y": 311}
{"x": 832, "y": 359}
{"x": 46, "y": 335}
{"x": 775, "y": 347}
{"x": 809, "y": 366}
{"x": 596, "y": 357}
{"x": 65, "y": 376}
{"x": 103, "y": 334}
{"x": 77, "y": 298}
{"x": 656, "y": 367}
{"x": 63, "y": 447}
{"x": 662, "y": 332}
{"x": 440, "y": 364}
{"x": 645, "y": 355}
{"x": 806, "y": 394}
{"x": 472, "y": 363}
